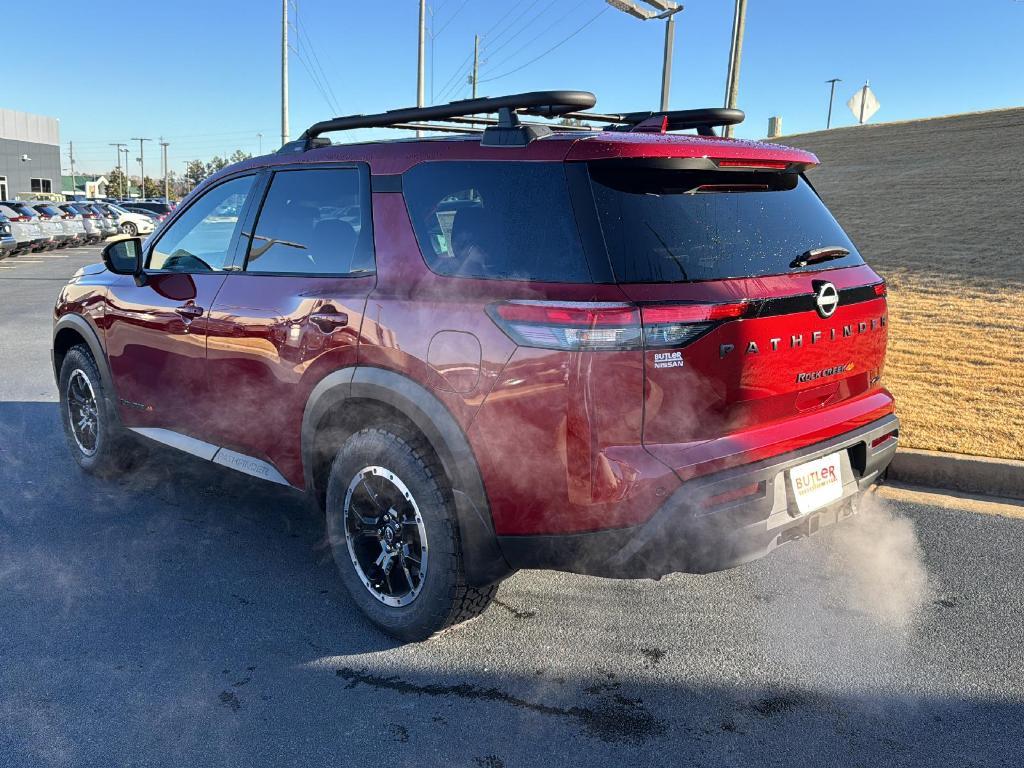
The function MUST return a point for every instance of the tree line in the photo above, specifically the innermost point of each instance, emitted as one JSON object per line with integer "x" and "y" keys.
{"x": 179, "y": 185}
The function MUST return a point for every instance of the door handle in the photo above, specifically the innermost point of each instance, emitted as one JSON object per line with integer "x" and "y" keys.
{"x": 189, "y": 311}
{"x": 329, "y": 322}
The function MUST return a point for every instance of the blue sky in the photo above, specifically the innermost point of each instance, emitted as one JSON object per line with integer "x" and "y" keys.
{"x": 205, "y": 75}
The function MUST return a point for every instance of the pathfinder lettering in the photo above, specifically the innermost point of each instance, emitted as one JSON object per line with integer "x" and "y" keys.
{"x": 796, "y": 340}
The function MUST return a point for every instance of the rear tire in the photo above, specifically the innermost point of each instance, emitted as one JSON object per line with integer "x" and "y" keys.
{"x": 381, "y": 479}
{"x": 96, "y": 439}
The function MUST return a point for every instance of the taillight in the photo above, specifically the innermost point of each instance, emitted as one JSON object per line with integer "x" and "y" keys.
{"x": 570, "y": 326}
{"x": 20, "y": 218}
{"x": 880, "y": 289}
{"x": 575, "y": 326}
{"x": 673, "y": 325}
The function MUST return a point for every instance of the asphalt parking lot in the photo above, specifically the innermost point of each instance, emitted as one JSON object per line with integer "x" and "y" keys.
{"x": 190, "y": 616}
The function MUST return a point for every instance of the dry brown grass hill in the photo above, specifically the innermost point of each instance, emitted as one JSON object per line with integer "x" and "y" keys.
{"x": 937, "y": 207}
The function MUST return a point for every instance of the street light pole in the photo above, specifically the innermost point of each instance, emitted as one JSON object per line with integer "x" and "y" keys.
{"x": 732, "y": 87}
{"x": 284, "y": 72}
{"x": 142, "y": 167}
{"x": 167, "y": 195}
{"x": 119, "y": 144}
{"x": 668, "y": 8}
{"x": 831, "y": 96}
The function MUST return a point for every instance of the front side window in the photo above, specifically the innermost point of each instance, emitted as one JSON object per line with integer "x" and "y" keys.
{"x": 498, "y": 220}
{"x": 202, "y": 238}
{"x": 312, "y": 222}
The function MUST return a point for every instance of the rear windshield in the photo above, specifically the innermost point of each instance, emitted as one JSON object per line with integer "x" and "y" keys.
{"x": 669, "y": 225}
{"x": 497, "y": 220}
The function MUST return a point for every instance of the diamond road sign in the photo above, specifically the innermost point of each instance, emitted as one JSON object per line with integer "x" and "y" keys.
{"x": 863, "y": 104}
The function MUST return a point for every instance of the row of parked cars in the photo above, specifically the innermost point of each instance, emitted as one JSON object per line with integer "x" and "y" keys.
{"x": 41, "y": 225}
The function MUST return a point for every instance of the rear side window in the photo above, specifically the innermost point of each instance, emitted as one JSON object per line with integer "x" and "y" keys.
{"x": 508, "y": 221}
{"x": 668, "y": 225}
{"x": 313, "y": 222}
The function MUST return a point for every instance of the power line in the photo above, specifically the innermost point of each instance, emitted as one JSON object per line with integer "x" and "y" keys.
{"x": 300, "y": 29}
{"x": 554, "y": 47}
{"x": 504, "y": 30}
{"x": 525, "y": 27}
{"x": 312, "y": 75}
{"x": 507, "y": 13}
{"x": 450, "y": 19}
{"x": 454, "y": 79}
{"x": 553, "y": 25}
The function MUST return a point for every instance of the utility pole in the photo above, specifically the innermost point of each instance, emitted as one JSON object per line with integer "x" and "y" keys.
{"x": 420, "y": 61}
{"x": 119, "y": 144}
{"x": 71, "y": 155}
{"x": 167, "y": 193}
{"x": 142, "y": 167}
{"x": 668, "y": 8}
{"x": 831, "y": 96}
{"x": 284, "y": 72}
{"x": 666, "y": 65}
{"x": 476, "y": 62}
{"x": 732, "y": 87}
{"x": 127, "y": 179}
{"x": 259, "y": 138}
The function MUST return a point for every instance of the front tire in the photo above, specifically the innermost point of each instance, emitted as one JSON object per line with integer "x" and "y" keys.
{"x": 130, "y": 229}
{"x": 97, "y": 441}
{"x": 395, "y": 538}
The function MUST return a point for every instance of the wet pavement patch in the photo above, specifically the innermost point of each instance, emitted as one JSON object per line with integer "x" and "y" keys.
{"x": 615, "y": 719}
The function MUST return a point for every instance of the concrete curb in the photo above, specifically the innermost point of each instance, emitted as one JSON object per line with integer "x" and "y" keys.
{"x": 957, "y": 472}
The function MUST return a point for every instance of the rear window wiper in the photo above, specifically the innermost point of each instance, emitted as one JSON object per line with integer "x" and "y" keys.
{"x": 818, "y": 255}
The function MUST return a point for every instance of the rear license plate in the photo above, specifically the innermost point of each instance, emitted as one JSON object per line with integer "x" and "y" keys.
{"x": 817, "y": 483}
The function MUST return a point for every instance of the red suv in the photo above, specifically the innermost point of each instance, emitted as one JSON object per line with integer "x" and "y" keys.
{"x": 612, "y": 351}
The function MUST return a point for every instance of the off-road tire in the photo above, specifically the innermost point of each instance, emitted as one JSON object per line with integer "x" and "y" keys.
{"x": 445, "y": 598}
{"x": 114, "y": 451}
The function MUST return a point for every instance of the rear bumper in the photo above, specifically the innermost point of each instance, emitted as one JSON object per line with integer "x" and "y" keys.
{"x": 688, "y": 533}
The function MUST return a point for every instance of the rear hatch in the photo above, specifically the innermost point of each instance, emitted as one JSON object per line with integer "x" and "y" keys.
{"x": 763, "y": 328}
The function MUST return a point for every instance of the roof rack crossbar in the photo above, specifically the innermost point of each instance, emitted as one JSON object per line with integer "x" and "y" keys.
{"x": 536, "y": 103}
{"x": 704, "y": 120}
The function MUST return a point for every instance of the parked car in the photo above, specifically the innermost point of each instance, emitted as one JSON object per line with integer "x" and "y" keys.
{"x": 129, "y": 222}
{"x": 54, "y": 218}
{"x": 7, "y": 242}
{"x": 107, "y": 219}
{"x": 25, "y": 226}
{"x": 50, "y": 227}
{"x": 74, "y": 223}
{"x": 162, "y": 210}
{"x": 156, "y": 218}
{"x": 90, "y": 220}
{"x": 618, "y": 352}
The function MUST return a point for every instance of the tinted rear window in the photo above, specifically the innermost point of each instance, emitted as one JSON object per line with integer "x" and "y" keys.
{"x": 668, "y": 225}
{"x": 498, "y": 220}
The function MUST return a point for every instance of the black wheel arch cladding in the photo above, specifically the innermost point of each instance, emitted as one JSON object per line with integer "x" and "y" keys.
{"x": 482, "y": 558}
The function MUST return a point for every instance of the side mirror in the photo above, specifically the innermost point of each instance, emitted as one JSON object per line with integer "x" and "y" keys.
{"x": 124, "y": 257}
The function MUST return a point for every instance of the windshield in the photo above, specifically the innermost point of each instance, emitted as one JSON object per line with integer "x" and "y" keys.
{"x": 669, "y": 225}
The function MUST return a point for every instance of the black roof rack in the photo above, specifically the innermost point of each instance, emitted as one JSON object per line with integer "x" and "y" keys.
{"x": 508, "y": 127}
{"x": 704, "y": 120}
{"x": 467, "y": 116}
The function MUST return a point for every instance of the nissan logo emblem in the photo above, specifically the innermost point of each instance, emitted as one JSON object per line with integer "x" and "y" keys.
{"x": 826, "y": 298}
